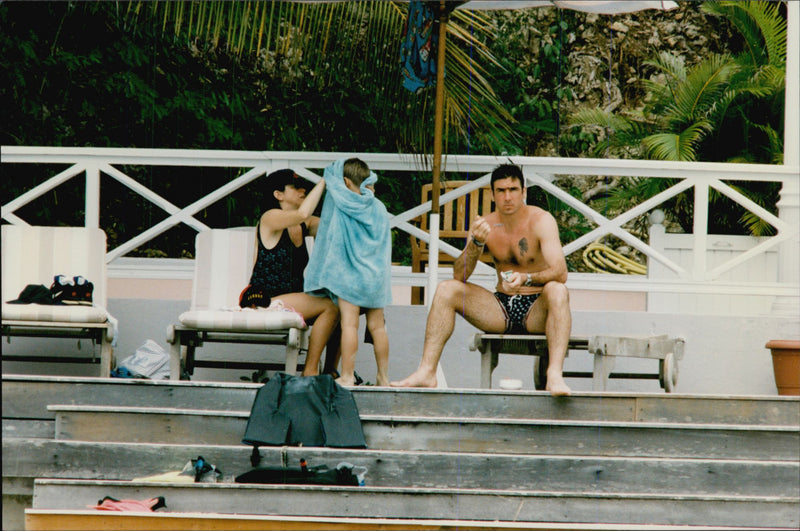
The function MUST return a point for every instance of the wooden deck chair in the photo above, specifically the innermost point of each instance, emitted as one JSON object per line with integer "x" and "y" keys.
{"x": 223, "y": 263}
{"x": 455, "y": 219}
{"x": 35, "y": 255}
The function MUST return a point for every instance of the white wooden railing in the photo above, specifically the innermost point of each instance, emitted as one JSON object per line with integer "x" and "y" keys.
{"x": 699, "y": 277}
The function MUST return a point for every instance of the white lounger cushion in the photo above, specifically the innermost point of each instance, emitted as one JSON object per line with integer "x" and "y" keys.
{"x": 242, "y": 320}
{"x": 49, "y": 313}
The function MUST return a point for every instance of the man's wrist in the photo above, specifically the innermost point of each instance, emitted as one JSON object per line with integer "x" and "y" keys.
{"x": 476, "y": 242}
{"x": 528, "y": 280}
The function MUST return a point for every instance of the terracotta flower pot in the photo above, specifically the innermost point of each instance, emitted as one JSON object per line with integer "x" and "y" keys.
{"x": 786, "y": 364}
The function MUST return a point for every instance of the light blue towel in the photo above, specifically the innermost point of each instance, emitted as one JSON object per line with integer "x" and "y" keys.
{"x": 353, "y": 247}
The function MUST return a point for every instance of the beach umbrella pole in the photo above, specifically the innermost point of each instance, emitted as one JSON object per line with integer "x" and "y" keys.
{"x": 433, "y": 247}
{"x": 438, "y": 127}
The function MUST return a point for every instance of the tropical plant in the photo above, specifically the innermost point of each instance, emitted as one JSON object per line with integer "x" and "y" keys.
{"x": 707, "y": 112}
{"x": 319, "y": 43}
{"x": 760, "y": 81}
{"x": 71, "y": 77}
{"x": 531, "y": 53}
{"x": 685, "y": 107}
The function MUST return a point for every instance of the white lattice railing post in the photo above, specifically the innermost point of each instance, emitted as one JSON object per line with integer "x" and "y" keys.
{"x": 789, "y": 251}
{"x": 92, "y": 196}
{"x": 789, "y": 203}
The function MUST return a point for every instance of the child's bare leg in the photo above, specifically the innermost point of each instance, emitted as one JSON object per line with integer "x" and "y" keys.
{"x": 380, "y": 342}
{"x": 349, "y": 319}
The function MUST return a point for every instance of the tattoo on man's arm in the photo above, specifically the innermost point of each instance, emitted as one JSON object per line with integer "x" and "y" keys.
{"x": 523, "y": 246}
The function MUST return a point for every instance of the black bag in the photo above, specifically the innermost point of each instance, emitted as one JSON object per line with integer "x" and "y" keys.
{"x": 343, "y": 474}
{"x": 253, "y": 297}
{"x": 304, "y": 410}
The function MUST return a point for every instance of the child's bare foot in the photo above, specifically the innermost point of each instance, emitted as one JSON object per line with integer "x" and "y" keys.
{"x": 417, "y": 379}
{"x": 556, "y": 385}
{"x": 346, "y": 382}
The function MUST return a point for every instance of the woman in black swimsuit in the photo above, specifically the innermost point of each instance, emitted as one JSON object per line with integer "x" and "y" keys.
{"x": 281, "y": 257}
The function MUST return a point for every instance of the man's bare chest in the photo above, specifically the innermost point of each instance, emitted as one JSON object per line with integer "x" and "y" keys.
{"x": 516, "y": 249}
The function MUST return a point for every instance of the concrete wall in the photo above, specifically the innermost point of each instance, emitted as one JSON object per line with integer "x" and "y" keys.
{"x": 724, "y": 355}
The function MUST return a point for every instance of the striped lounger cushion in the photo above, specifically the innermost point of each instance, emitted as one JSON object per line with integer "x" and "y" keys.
{"x": 246, "y": 320}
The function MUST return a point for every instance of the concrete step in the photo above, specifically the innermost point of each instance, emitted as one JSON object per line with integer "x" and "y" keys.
{"x": 27, "y": 397}
{"x": 28, "y": 428}
{"x": 448, "y": 434}
{"x": 643, "y": 454}
{"x": 431, "y": 503}
{"x": 91, "y": 520}
{"x": 26, "y": 458}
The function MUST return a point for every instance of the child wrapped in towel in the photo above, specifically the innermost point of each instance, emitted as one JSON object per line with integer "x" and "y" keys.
{"x": 351, "y": 260}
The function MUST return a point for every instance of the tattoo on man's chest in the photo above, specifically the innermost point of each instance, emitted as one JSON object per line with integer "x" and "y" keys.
{"x": 523, "y": 246}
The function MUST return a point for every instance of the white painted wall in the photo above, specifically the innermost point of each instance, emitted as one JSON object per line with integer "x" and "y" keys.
{"x": 724, "y": 354}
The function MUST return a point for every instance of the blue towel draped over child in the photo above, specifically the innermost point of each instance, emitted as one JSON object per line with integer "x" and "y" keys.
{"x": 353, "y": 247}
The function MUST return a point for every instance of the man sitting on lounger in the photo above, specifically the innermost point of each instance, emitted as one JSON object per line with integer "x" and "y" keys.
{"x": 531, "y": 294}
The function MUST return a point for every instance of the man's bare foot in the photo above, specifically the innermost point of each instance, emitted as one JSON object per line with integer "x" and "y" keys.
{"x": 557, "y": 386}
{"x": 381, "y": 381}
{"x": 417, "y": 379}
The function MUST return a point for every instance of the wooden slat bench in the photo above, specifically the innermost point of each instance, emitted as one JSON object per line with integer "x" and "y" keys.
{"x": 454, "y": 223}
{"x": 604, "y": 348}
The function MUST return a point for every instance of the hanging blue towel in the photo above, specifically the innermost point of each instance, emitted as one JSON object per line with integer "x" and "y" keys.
{"x": 418, "y": 49}
{"x": 353, "y": 247}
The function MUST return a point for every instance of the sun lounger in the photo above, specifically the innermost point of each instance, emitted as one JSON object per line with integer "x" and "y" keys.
{"x": 223, "y": 263}
{"x": 668, "y": 351}
{"x": 35, "y": 255}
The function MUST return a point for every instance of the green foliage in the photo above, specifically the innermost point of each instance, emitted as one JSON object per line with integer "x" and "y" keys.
{"x": 125, "y": 74}
{"x": 328, "y": 46}
{"x": 726, "y": 108}
{"x": 74, "y": 77}
{"x": 529, "y": 81}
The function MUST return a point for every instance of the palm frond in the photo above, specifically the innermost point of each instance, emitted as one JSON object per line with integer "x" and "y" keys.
{"x": 661, "y": 95}
{"x": 599, "y": 118}
{"x": 634, "y": 190}
{"x": 319, "y": 42}
{"x": 703, "y": 86}
{"x": 623, "y": 134}
{"x": 681, "y": 146}
{"x": 671, "y": 66}
{"x": 770, "y": 79}
{"x": 762, "y": 26}
{"x": 716, "y": 113}
{"x": 775, "y": 142}
{"x": 755, "y": 52}
{"x": 754, "y": 224}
